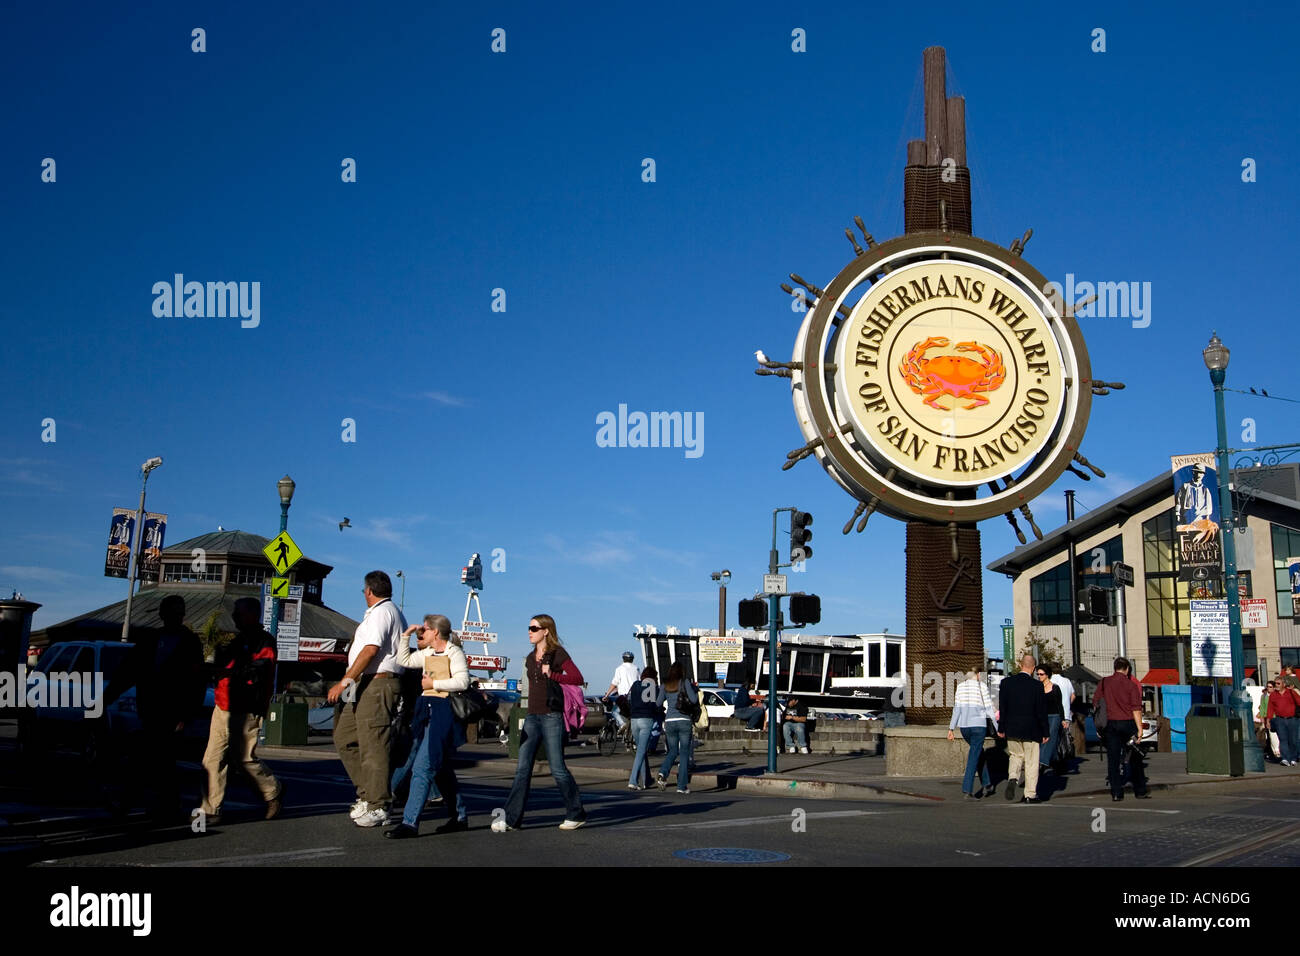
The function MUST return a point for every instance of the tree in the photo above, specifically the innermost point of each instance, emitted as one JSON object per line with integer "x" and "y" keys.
{"x": 213, "y": 636}
{"x": 1045, "y": 650}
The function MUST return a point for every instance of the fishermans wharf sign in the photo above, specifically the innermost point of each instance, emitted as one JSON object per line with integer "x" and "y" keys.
{"x": 936, "y": 376}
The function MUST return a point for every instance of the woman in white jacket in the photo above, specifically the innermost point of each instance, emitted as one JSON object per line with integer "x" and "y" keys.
{"x": 433, "y": 728}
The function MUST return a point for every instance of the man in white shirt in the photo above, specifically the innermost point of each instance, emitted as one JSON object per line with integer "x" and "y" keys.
{"x": 367, "y": 699}
{"x": 625, "y": 675}
{"x": 1067, "y": 699}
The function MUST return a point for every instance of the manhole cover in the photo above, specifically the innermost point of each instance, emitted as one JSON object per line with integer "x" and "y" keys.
{"x": 729, "y": 854}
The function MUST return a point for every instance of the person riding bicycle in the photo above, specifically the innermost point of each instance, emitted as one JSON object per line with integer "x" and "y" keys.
{"x": 625, "y": 675}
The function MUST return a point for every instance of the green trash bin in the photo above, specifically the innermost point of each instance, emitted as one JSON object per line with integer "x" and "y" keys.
{"x": 1214, "y": 742}
{"x": 515, "y": 726}
{"x": 286, "y": 722}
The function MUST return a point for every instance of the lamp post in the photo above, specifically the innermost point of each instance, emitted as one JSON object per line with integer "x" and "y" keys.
{"x": 134, "y": 564}
{"x": 722, "y": 577}
{"x": 402, "y": 603}
{"x": 1216, "y": 360}
{"x": 285, "y": 486}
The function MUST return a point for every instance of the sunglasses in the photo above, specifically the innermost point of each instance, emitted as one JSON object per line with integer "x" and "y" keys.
{"x": 534, "y": 627}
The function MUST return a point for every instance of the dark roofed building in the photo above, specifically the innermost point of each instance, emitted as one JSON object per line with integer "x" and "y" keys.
{"x": 211, "y": 571}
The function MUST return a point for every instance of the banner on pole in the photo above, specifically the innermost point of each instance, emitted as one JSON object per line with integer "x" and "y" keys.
{"x": 151, "y": 544}
{"x": 117, "y": 561}
{"x": 1196, "y": 517}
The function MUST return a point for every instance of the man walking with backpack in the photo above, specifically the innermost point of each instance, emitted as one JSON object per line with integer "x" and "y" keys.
{"x": 1023, "y": 723}
{"x": 1122, "y": 697}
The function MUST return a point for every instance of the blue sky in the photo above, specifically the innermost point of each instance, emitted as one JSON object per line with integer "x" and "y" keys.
{"x": 475, "y": 429}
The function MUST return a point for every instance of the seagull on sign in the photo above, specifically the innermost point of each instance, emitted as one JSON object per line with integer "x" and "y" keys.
{"x": 345, "y": 523}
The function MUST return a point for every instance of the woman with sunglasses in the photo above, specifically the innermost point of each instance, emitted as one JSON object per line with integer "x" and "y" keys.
{"x": 1055, "y": 717}
{"x": 548, "y": 666}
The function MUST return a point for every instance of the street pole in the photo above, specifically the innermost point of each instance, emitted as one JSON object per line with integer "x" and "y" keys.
{"x": 1216, "y": 360}
{"x": 285, "y": 486}
{"x": 137, "y": 534}
{"x": 1074, "y": 583}
{"x": 1121, "y": 615}
{"x": 773, "y": 635}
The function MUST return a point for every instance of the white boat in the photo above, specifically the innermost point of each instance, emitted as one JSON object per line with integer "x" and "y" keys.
{"x": 844, "y": 673}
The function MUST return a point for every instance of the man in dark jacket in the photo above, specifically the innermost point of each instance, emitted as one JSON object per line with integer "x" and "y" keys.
{"x": 1023, "y": 723}
{"x": 166, "y": 668}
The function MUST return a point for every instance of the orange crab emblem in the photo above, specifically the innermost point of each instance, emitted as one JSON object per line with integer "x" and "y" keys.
{"x": 955, "y": 375}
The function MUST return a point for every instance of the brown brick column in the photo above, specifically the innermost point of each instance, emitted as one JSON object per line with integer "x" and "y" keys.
{"x": 930, "y": 573}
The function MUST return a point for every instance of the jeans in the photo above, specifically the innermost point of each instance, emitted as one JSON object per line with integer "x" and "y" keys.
{"x": 678, "y": 735}
{"x": 619, "y": 720}
{"x": 791, "y": 729}
{"x": 539, "y": 727}
{"x": 974, "y": 736}
{"x": 432, "y": 753}
{"x": 753, "y": 715}
{"x": 641, "y": 728}
{"x": 432, "y": 791}
{"x": 1047, "y": 753}
{"x": 1118, "y": 734}
{"x": 1287, "y": 737}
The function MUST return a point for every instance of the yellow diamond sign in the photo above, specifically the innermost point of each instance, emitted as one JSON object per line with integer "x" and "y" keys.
{"x": 282, "y": 552}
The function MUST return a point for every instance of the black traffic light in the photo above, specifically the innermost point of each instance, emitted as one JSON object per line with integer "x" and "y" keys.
{"x": 753, "y": 613}
{"x": 805, "y": 608}
{"x": 1094, "y": 605}
{"x": 800, "y": 535}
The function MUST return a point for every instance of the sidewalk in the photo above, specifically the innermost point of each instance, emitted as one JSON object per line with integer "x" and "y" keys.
{"x": 829, "y": 777}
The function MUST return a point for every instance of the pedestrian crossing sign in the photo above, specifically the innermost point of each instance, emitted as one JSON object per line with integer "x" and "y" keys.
{"x": 282, "y": 552}
{"x": 279, "y": 587}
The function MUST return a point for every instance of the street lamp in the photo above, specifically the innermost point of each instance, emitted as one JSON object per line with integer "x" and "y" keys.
{"x": 1216, "y": 356}
{"x": 722, "y": 577}
{"x": 133, "y": 566}
{"x": 402, "y": 604}
{"x": 285, "y": 487}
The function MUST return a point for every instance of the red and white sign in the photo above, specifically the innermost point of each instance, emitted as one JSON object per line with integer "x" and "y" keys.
{"x": 480, "y": 662}
{"x": 316, "y": 645}
{"x": 1254, "y": 612}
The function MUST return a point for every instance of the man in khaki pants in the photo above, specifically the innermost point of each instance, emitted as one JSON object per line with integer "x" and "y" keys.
{"x": 1022, "y": 720}
{"x": 369, "y": 693}
{"x": 244, "y": 673}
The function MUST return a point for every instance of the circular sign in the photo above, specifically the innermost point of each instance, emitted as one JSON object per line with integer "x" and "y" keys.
{"x": 952, "y": 373}
{"x": 936, "y": 378}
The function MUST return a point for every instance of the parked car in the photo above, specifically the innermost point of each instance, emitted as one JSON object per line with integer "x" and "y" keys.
{"x": 718, "y": 703}
{"x": 52, "y": 729}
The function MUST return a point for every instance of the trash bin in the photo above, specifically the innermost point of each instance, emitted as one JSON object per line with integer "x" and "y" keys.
{"x": 514, "y": 728}
{"x": 1214, "y": 743}
{"x": 286, "y": 722}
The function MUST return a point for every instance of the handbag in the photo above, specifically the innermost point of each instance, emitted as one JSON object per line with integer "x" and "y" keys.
{"x": 686, "y": 708}
{"x": 471, "y": 706}
{"x": 1099, "y": 719}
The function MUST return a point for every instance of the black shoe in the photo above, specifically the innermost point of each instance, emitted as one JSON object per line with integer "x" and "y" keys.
{"x": 1010, "y": 792}
{"x": 401, "y": 832}
{"x": 987, "y": 791}
{"x": 1143, "y": 795}
{"x": 452, "y": 826}
{"x": 1116, "y": 797}
{"x": 1030, "y": 800}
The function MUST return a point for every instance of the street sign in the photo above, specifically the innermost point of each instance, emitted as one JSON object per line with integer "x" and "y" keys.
{"x": 1211, "y": 641}
{"x": 721, "y": 650}
{"x": 1254, "y": 612}
{"x": 1123, "y": 574}
{"x": 279, "y": 587}
{"x": 282, "y": 552}
{"x": 481, "y": 662}
{"x": 488, "y": 638}
{"x": 286, "y": 651}
{"x": 774, "y": 584}
{"x": 290, "y": 614}
{"x": 467, "y": 626}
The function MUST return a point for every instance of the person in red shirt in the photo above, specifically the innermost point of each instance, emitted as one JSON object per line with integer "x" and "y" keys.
{"x": 1122, "y": 695}
{"x": 1282, "y": 719}
{"x": 243, "y": 692}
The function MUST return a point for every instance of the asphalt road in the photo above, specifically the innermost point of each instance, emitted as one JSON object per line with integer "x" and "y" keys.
{"x": 1246, "y": 823}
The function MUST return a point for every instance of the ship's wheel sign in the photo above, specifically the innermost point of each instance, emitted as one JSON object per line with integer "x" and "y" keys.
{"x": 935, "y": 379}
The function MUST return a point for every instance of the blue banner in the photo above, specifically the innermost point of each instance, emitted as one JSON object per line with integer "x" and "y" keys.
{"x": 120, "y": 532}
{"x": 151, "y": 545}
{"x": 1196, "y": 518}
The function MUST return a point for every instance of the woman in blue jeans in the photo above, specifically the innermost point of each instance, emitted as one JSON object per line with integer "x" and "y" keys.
{"x": 677, "y": 728}
{"x": 972, "y": 711}
{"x": 645, "y": 712}
{"x": 548, "y": 665}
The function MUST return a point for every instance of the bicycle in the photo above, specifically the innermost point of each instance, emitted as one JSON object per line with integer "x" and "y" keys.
{"x": 610, "y": 736}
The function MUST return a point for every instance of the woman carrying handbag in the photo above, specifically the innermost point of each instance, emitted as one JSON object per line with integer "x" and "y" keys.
{"x": 548, "y": 666}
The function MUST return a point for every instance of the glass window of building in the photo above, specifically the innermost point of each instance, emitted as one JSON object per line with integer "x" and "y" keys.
{"x": 246, "y": 574}
{"x": 893, "y": 659}
{"x": 873, "y": 659}
{"x": 1049, "y": 596}
{"x": 808, "y": 671}
{"x": 1286, "y": 544}
{"x": 184, "y": 573}
{"x": 685, "y": 659}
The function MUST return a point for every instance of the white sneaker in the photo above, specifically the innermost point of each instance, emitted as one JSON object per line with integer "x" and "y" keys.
{"x": 358, "y": 808}
{"x": 803, "y": 750}
{"x": 572, "y": 824}
{"x": 373, "y": 818}
{"x": 500, "y": 826}
{"x": 687, "y": 790}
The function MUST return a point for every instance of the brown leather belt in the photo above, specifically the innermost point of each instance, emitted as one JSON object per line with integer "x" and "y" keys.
{"x": 381, "y": 674}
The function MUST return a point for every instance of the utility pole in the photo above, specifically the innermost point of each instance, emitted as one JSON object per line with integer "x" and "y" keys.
{"x": 137, "y": 536}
